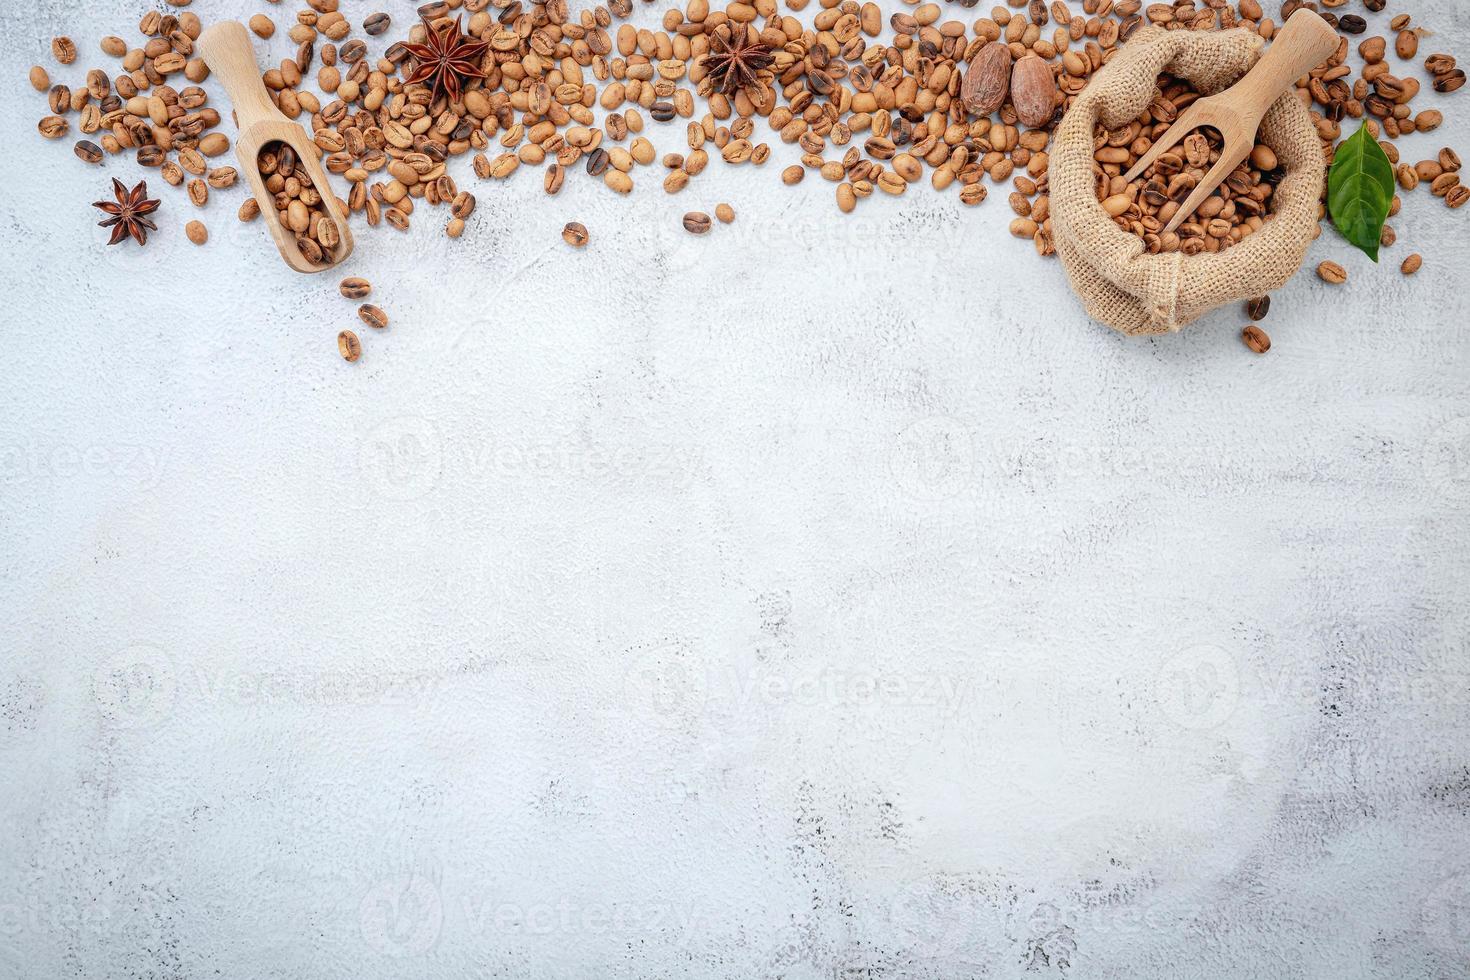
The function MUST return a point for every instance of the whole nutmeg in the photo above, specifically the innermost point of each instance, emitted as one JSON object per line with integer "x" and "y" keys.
{"x": 1033, "y": 91}
{"x": 988, "y": 80}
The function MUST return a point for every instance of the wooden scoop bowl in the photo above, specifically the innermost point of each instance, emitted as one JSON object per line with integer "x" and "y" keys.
{"x": 226, "y": 49}
{"x": 1304, "y": 43}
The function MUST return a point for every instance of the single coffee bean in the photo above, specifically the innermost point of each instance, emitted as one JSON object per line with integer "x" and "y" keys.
{"x": 696, "y": 223}
{"x": 1375, "y": 5}
{"x": 597, "y": 162}
{"x": 1256, "y": 339}
{"x": 1451, "y": 81}
{"x": 1331, "y": 272}
{"x": 1257, "y": 308}
{"x": 198, "y": 234}
{"x": 725, "y": 213}
{"x": 355, "y": 287}
{"x": 310, "y": 250}
{"x": 1412, "y": 264}
{"x": 1351, "y": 24}
{"x": 88, "y": 152}
{"x": 375, "y": 24}
{"x": 372, "y": 316}
{"x": 349, "y": 346}
{"x": 64, "y": 50}
{"x": 574, "y": 234}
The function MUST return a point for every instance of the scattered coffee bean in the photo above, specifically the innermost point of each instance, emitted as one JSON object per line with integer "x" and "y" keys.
{"x": 1257, "y": 308}
{"x": 263, "y": 26}
{"x": 1256, "y": 339}
{"x": 349, "y": 346}
{"x": 40, "y": 81}
{"x": 88, "y": 152}
{"x": 1412, "y": 264}
{"x": 198, "y": 234}
{"x": 725, "y": 213}
{"x": 696, "y": 222}
{"x": 372, "y": 316}
{"x": 64, "y": 50}
{"x": 375, "y": 24}
{"x": 355, "y": 287}
{"x": 574, "y": 234}
{"x": 1331, "y": 272}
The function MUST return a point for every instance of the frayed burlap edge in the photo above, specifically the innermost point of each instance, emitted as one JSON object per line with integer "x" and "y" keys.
{"x": 1117, "y": 281}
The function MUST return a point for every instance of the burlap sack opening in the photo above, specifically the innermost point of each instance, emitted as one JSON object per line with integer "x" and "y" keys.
{"x": 1119, "y": 283}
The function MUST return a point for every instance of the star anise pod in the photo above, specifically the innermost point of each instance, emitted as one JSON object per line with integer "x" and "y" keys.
{"x": 128, "y": 212}
{"x": 734, "y": 60}
{"x": 449, "y": 60}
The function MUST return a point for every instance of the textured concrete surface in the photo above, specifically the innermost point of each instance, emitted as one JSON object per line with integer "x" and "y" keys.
{"x": 823, "y": 598}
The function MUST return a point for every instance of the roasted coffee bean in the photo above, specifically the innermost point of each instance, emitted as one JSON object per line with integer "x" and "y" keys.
{"x": 375, "y": 24}
{"x": 696, "y": 223}
{"x": 372, "y": 316}
{"x": 574, "y": 234}
{"x": 355, "y": 287}
{"x": 349, "y": 346}
{"x": 88, "y": 152}
{"x": 53, "y": 127}
{"x": 1257, "y": 308}
{"x": 197, "y": 232}
{"x": 597, "y": 162}
{"x": 1451, "y": 81}
{"x": 1256, "y": 339}
{"x": 1351, "y": 24}
{"x": 64, "y": 50}
{"x": 1412, "y": 264}
{"x": 1331, "y": 272}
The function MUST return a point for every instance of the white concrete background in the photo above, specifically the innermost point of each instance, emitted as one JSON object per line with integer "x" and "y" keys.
{"x": 824, "y": 598}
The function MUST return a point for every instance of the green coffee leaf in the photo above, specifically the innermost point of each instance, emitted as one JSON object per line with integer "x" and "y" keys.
{"x": 1360, "y": 190}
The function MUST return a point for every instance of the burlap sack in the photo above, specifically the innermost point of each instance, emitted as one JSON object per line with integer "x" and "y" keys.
{"x": 1119, "y": 283}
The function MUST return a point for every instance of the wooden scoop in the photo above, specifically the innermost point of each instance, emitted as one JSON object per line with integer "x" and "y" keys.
{"x": 1304, "y": 43}
{"x": 226, "y": 49}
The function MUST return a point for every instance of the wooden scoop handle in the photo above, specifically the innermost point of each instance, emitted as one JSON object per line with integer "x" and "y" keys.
{"x": 1304, "y": 43}
{"x": 226, "y": 48}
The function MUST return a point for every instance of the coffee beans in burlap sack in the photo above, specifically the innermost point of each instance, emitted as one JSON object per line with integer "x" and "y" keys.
{"x": 1118, "y": 281}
